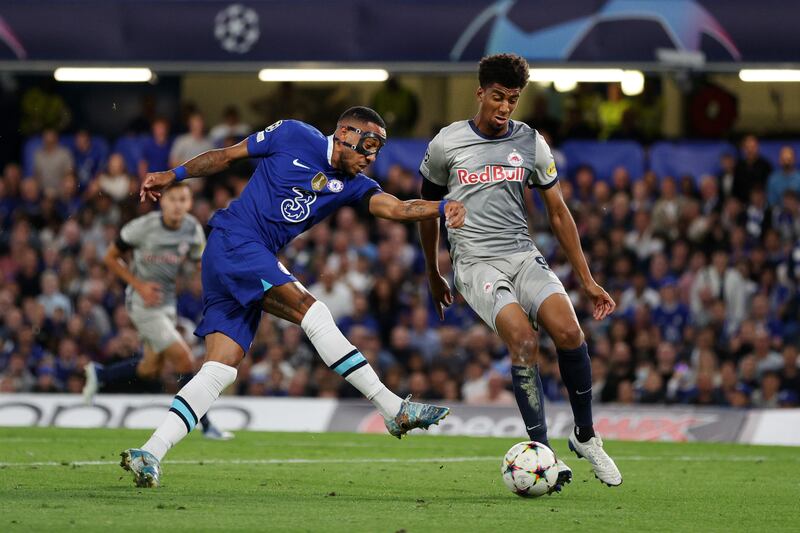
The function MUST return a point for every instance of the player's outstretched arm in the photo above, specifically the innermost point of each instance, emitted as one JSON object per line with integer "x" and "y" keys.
{"x": 150, "y": 291}
{"x": 385, "y": 205}
{"x": 205, "y": 164}
{"x": 566, "y": 232}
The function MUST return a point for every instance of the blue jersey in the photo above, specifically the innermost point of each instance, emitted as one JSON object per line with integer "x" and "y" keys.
{"x": 293, "y": 187}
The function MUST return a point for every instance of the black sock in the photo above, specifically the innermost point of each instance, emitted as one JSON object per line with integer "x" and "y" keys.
{"x": 183, "y": 379}
{"x": 530, "y": 400}
{"x": 576, "y": 373}
{"x": 583, "y": 434}
{"x": 123, "y": 371}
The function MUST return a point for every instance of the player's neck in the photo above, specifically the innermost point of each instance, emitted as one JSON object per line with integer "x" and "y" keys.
{"x": 172, "y": 226}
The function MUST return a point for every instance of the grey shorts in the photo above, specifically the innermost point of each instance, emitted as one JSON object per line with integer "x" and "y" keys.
{"x": 156, "y": 326}
{"x": 526, "y": 276}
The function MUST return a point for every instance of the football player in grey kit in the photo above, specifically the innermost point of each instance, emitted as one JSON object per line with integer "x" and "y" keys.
{"x": 161, "y": 241}
{"x": 486, "y": 163}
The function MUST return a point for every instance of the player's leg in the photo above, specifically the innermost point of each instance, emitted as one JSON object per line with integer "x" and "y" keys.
{"x": 516, "y": 331}
{"x": 292, "y": 302}
{"x": 557, "y": 316}
{"x": 180, "y": 357}
{"x": 144, "y": 367}
{"x": 189, "y": 405}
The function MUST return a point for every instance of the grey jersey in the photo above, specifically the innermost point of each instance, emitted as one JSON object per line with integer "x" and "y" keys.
{"x": 158, "y": 251}
{"x": 489, "y": 176}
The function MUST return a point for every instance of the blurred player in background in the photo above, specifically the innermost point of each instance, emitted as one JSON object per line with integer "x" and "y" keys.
{"x": 301, "y": 178}
{"x": 486, "y": 163}
{"x": 161, "y": 242}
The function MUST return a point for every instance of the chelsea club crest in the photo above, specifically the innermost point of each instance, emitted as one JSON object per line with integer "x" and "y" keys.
{"x": 335, "y": 185}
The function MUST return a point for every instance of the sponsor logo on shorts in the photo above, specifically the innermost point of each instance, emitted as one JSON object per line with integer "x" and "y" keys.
{"x": 514, "y": 159}
{"x": 319, "y": 181}
{"x": 490, "y": 174}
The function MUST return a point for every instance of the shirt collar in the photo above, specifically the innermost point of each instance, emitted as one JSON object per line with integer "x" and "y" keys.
{"x": 330, "y": 149}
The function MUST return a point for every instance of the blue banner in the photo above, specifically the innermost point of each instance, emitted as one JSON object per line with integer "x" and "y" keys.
{"x": 395, "y": 30}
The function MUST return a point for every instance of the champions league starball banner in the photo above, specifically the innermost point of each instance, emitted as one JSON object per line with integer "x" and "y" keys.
{"x": 396, "y": 30}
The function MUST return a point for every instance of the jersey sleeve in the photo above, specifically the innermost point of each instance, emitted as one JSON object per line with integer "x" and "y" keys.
{"x": 132, "y": 234}
{"x": 434, "y": 165}
{"x": 263, "y": 143}
{"x": 544, "y": 174}
{"x": 198, "y": 243}
{"x": 365, "y": 188}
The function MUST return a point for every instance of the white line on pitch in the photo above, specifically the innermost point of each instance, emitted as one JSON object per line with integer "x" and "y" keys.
{"x": 480, "y": 458}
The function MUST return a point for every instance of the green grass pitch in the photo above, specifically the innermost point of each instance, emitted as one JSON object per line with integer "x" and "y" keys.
{"x": 68, "y": 480}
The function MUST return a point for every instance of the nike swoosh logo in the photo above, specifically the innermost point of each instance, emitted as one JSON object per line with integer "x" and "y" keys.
{"x": 532, "y": 428}
{"x": 297, "y": 163}
{"x": 584, "y": 392}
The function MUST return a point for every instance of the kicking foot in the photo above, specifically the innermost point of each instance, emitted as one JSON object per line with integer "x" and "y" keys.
{"x": 415, "y": 415}
{"x": 592, "y": 450}
{"x": 145, "y": 467}
{"x": 214, "y": 433}
{"x": 564, "y": 476}
{"x": 91, "y": 386}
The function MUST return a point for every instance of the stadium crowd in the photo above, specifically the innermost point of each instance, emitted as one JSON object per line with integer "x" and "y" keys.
{"x": 705, "y": 271}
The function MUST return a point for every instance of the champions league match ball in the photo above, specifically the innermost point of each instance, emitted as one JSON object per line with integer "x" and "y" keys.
{"x": 529, "y": 469}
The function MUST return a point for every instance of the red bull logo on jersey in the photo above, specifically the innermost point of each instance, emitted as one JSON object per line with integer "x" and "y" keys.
{"x": 490, "y": 174}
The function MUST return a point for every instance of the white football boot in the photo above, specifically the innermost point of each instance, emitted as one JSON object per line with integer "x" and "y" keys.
{"x": 592, "y": 450}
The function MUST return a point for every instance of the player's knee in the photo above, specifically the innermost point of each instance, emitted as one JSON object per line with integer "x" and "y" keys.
{"x": 228, "y": 358}
{"x": 568, "y": 336}
{"x": 147, "y": 370}
{"x": 524, "y": 350}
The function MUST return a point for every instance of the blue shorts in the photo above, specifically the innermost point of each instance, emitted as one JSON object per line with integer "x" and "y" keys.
{"x": 237, "y": 271}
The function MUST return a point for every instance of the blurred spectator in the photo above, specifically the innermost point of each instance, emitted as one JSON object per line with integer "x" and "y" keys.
{"x": 334, "y": 293}
{"x": 230, "y": 127}
{"x": 51, "y": 162}
{"x": 115, "y": 181}
{"x": 786, "y": 178}
{"x": 611, "y": 111}
{"x": 398, "y": 106}
{"x": 190, "y": 144}
{"x": 495, "y": 394}
{"x": 751, "y": 171}
{"x": 88, "y": 158}
{"x": 156, "y": 148}
{"x": 720, "y": 281}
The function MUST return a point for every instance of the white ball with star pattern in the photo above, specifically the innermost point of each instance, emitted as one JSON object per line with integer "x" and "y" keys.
{"x": 529, "y": 469}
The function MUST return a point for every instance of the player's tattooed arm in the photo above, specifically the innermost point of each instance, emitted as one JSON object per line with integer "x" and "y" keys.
{"x": 384, "y": 205}
{"x": 205, "y": 164}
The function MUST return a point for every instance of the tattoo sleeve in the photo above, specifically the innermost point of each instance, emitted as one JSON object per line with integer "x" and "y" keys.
{"x": 207, "y": 163}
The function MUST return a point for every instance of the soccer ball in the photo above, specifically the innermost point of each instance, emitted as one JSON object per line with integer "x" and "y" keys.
{"x": 529, "y": 469}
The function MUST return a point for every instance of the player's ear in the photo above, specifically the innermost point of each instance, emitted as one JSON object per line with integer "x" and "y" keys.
{"x": 479, "y": 93}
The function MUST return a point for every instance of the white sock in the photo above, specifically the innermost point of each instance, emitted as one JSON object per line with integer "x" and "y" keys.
{"x": 189, "y": 406}
{"x": 346, "y": 360}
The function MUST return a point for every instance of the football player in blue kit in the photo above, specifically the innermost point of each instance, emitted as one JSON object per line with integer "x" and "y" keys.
{"x": 302, "y": 177}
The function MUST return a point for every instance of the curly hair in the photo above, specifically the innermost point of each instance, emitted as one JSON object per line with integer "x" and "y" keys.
{"x": 509, "y": 70}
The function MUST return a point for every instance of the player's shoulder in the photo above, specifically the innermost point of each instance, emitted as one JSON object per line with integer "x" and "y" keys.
{"x": 523, "y": 129}
{"x": 293, "y": 128}
{"x": 458, "y": 127}
{"x": 151, "y": 219}
{"x": 366, "y": 181}
{"x": 191, "y": 222}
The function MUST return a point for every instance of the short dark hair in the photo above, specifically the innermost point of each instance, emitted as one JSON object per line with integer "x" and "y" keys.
{"x": 363, "y": 114}
{"x": 177, "y": 185}
{"x": 509, "y": 70}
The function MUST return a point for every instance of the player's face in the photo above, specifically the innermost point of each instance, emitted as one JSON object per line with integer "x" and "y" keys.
{"x": 175, "y": 203}
{"x": 496, "y": 105}
{"x": 350, "y": 161}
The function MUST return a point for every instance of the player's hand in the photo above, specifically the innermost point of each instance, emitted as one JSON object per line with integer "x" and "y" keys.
{"x": 150, "y": 291}
{"x": 603, "y": 303}
{"x": 154, "y": 183}
{"x": 440, "y": 292}
{"x": 454, "y": 213}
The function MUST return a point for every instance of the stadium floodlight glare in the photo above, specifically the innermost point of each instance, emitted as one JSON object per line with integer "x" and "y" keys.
{"x": 566, "y": 79}
{"x": 776, "y": 75}
{"x": 95, "y": 74}
{"x": 323, "y": 74}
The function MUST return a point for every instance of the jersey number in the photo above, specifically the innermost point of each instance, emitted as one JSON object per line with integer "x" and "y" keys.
{"x": 542, "y": 263}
